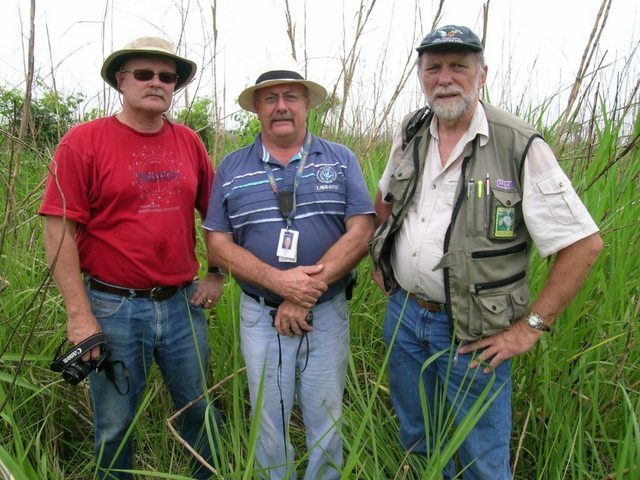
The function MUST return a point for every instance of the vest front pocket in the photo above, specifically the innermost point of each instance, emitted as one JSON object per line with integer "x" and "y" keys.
{"x": 495, "y": 305}
{"x": 492, "y": 314}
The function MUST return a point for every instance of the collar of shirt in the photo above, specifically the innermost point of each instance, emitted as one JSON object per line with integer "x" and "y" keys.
{"x": 266, "y": 156}
{"x": 478, "y": 126}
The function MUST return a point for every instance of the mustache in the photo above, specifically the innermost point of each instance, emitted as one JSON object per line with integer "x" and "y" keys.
{"x": 156, "y": 92}
{"x": 278, "y": 117}
{"x": 443, "y": 91}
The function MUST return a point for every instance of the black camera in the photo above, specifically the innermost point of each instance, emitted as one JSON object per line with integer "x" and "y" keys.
{"x": 73, "y": 368}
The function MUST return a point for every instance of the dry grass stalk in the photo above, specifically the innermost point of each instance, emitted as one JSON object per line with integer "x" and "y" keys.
{"x": 291, "y": 30}
{"x": 485, "y": 21}
{"x": 406, "y": 73}
{"x": 350, "y": 60}
{"x": 218, "y": 113}
{"x": 438, "y": 16}
{"x": 173, "y": 417}
{"x": 587, "y": 56}
{"x": 14, "y": 166}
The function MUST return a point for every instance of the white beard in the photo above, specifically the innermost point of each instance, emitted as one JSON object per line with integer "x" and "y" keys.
{"x": 453, "y": 108}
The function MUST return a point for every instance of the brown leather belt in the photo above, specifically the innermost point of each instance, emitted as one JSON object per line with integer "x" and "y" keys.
{"x": 427, "y": 305}
{"x": 157, "y": 294}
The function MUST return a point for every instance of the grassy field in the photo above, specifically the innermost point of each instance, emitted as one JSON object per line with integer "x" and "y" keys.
{"x": 576, "y": 395}
{"x": 575, "y": 402}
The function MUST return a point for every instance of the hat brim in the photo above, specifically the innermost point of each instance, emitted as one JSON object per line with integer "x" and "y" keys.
{"x": 449, "y": 46}
{"x": 317, "y": 93}
{"x": 185, "y": 68}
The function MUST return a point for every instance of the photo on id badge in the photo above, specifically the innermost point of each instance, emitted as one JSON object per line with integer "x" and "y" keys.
{"x": 288, "y": 245}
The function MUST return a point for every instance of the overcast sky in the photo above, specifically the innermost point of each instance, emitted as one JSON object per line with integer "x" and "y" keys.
{"x": 533, "y": 50}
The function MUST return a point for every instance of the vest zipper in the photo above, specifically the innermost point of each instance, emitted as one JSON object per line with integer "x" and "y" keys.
{"x": 499, "y": 283}
{"x": 447, "y": 236}
{"x": 499, "y": 253}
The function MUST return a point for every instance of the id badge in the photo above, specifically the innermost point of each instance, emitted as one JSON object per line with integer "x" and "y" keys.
{"x": 288, "y": 245}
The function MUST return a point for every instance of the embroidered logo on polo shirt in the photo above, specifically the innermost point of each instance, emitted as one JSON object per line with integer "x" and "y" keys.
{"x": 326, "y": 174}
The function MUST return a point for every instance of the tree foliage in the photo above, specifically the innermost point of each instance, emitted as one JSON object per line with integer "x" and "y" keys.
{"x": 50, "y": 116}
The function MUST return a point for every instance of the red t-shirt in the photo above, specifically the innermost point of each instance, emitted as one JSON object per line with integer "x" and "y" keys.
{"x": 133, "y": 196}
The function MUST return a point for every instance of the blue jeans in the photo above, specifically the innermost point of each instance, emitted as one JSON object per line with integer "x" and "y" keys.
{"x": 321, "y": 364}
{"x": 421, "y": 334}
{"x": 138, "y": 330}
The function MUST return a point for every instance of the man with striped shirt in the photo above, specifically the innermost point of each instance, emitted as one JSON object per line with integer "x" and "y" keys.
{"x": 292, "y": 218}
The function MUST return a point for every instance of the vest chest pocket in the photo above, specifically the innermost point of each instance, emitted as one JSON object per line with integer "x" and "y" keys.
{"x": 504, "y": 214}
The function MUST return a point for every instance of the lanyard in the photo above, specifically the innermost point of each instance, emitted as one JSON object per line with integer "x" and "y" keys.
{"x": 296, "y": 182}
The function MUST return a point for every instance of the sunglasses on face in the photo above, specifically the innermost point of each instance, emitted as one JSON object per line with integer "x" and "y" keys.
{"x": 144, "y": 75}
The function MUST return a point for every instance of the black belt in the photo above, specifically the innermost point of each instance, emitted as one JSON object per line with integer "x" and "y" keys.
{"x": 271, "y": 303}
{"x": 157, "y": 294}
{"x": 429, "y": 305}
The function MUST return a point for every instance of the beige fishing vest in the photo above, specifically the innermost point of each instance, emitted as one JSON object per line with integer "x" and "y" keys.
{"x": 486, "y": 247}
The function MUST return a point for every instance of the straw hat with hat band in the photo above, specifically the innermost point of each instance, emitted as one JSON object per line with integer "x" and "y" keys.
{"x": 316, "y": 92}
{"x": 185, "y": 68}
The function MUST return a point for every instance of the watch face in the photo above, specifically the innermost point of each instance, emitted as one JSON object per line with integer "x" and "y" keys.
{"x": 536, "y": 322}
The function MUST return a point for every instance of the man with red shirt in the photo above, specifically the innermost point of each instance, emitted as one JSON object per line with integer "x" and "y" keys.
{"x": 119, "y": 211}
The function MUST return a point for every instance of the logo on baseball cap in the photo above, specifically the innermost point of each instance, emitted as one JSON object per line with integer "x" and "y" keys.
{"x": 450, "y": 37}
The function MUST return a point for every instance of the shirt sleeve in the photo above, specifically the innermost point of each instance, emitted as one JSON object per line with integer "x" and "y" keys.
{"x": 205, "y": 179}
{"x": 358, "y": 201}
{"x": 394, "y": 158}
{"x": 554, "y": 214}
{"x": 68, "y": 185}
{"x": 217, "y": 219}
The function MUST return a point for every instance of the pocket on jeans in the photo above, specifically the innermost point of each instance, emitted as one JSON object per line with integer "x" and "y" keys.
{"x": 250, "y": 313}
{"x": 105, "y": 306}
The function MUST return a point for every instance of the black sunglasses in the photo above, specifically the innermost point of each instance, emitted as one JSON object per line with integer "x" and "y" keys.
{"x": 145, "y": 75}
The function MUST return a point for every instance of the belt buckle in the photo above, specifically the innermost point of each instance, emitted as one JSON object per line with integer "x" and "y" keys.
{"x": 156, "y": 291}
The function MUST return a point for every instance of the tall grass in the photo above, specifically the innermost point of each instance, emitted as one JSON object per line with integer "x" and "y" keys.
{"x": 576, "y": 398}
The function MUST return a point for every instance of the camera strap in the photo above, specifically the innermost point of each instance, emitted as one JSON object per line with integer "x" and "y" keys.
{"x": 61, "y": 361}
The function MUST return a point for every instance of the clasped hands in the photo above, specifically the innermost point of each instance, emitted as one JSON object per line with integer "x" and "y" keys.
{"x": 300, "y": 289}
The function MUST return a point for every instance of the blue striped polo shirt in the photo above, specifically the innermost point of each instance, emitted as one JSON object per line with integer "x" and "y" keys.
{"x": 331, "y": 190}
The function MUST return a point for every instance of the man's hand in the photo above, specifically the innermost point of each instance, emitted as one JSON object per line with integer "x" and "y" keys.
{"x": 79, "y": 329}
{"x": 208, "y": 290}
{"x": 291, "y": 319}
{"x": 299, "y": 285}
{"x": 503, "y": 346}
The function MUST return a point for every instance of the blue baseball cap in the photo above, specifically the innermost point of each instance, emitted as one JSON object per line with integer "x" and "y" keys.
{"x": 450, "y": 37}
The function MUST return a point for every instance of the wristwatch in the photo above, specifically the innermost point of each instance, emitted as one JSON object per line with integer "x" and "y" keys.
{"x": 216, "y": 271}
{"x": 535, "y": 321}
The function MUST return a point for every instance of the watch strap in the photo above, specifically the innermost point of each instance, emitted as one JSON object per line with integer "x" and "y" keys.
{"x": 216, "y": 271}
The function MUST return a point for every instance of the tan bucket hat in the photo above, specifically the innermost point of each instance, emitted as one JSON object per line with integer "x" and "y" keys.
{"x": 185, "y": 68}
{"x": 317, "y": 93}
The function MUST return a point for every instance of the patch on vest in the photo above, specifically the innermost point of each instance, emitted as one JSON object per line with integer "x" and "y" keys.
{"x": 504, "y": 220}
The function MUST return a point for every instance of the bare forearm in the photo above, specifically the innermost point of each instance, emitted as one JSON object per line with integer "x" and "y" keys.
{"x": 62, "y": 256}
{"x": 383, "y": 210}
{"x": 568, "y": 273}
{"x": 348, "y": 250}
{"x": 238, "y": 261}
